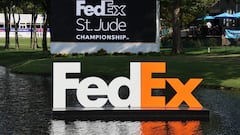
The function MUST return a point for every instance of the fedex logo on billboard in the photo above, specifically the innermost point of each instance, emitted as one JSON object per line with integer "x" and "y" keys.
{"x": 107, "y": 8}
{"x": 140, "y": 84}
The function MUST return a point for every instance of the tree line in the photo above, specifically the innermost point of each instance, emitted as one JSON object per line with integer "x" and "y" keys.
{"x": 180, "y": 13}
{"x": 13, "y": 8}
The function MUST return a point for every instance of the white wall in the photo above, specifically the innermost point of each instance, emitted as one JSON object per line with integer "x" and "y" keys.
{"x": 24, "y": 20}
{"x": 23, "y": 34}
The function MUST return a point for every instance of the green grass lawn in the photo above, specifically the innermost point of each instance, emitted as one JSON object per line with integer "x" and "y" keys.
{"x": 24, "y": 43}
{"x": 216, "y": 71}
{"x": 220, "y": 68}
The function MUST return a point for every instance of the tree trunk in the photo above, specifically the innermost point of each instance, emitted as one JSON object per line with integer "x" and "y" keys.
{"x": 31, "y": 38}
{"x": 16, "y": 25}
{"x": 34, "y": 43}
{"x": 45, "y": 28}
{"x": 176, "y": 36}
{"x": 7, "y": 26}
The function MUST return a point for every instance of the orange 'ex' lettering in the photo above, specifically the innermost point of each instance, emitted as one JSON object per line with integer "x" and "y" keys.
{"x": 184, "y": 91}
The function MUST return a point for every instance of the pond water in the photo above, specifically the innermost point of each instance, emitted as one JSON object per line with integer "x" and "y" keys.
{"x": 25, "y": 110}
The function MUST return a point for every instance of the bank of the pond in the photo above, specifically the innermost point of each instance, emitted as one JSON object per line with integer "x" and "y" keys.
{"x": 219, "y": 69}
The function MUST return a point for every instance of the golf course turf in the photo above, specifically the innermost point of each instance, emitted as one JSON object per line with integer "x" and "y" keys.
{"x": 220, "y": 68}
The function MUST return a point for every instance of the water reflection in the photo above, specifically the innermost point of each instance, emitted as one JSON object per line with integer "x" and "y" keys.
{"x": 125, "y": 128}
{"x": 24, "y": 104}
{"x": 172, "y": 127}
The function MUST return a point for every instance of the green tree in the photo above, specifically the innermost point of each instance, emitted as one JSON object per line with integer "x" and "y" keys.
{"x": 6, "y": 6}
{"x": 46, "y": 15}
{"x": 35, "y": 7}
{"x": 39, "y": 7}
{"x": 16, "y": 9}
{"x": 179, "y": 13}
{"x": 176, "y": 36}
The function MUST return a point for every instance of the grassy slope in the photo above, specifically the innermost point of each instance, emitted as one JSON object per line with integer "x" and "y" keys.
{"x": 215, "y": 71}
{"x": 220, "y": 68}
